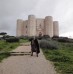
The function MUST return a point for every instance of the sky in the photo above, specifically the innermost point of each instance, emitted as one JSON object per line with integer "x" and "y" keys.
{"x": 60, "y": 10}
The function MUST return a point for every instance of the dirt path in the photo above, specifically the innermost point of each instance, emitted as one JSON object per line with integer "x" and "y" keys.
{"x": 26, "y": 64}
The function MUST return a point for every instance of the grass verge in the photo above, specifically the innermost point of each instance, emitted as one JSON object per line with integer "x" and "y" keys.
{"x": 62, "y": 57}
{"x": 5, "y": 47}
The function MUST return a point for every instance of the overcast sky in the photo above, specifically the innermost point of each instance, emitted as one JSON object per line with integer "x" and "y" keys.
{"x": 61, "y": 10}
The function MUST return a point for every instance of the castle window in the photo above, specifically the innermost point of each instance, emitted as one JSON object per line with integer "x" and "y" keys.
{"x": 26, "y": 26}
{"x": 40, "y": 25}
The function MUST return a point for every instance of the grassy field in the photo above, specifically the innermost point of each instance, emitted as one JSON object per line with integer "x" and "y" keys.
{"x": 5, "y": 47}
{"x": 61, "y": 57}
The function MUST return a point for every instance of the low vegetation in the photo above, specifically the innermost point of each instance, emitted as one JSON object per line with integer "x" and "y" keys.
{"x": 5, "y": 47}
{"x": 9, "y": 43}
{"x": 60, "y": 53}
{"x": 48, "y": 44}
{"x": 59, "y": 50}
{"x": 12, "y": 39}
{"x": 24, "y": 40}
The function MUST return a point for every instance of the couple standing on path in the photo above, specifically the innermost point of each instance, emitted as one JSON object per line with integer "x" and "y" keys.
{"x": 34, "y": 46}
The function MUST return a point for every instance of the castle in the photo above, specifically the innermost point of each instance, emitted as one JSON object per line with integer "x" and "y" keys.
{"x": 37, "y": 26}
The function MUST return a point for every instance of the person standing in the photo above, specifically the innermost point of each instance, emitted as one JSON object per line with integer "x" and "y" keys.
{"x": 32, "y": 46}
{"x": 35, "y": 46}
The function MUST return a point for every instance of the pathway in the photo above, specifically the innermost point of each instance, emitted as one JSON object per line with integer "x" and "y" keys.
{"x": 26, "y": 64}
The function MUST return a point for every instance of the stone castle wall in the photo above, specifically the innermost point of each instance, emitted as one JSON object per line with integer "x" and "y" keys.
{"x": 36, "y": 26}
{"x": 55, "y": 28}
{"x": 19, "y": 27}
{"x": 49, "y": 26}
{"x": 25, "y": 30}
{"x": 39, "y": 26}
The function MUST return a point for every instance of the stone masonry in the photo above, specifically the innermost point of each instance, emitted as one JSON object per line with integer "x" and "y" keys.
{"x": 37, "y": 26}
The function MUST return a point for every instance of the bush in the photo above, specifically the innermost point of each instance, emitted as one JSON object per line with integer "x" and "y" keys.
{"x": 55, "y": 37}
{"x": 63, "y": 39}
{"x": 12, "y": 39}
{"x": 46, "y": 36}
{"x": 62, "y": 58}
{"x": 39, "y": 38}
{"x": 7, "y": 36}
{"x": 48, "y": 44}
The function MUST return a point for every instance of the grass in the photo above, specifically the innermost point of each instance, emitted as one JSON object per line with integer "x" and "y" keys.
{"x": 23, "y": 40}
{"x": 5, "y": 47}
{"x": 62, "y": 57}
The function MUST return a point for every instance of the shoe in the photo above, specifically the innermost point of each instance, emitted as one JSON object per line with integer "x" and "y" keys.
{"x": 37, "y": 55}
{"x": 31, "y": 54}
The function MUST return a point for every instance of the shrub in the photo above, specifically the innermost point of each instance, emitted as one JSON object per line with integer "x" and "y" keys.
{"x": 48, "y": 44}
{"x": 12, "y": 39}
{"x": 7, "y": 36}
{"x": 39, "y": 37}
{"x": 63, "y": 39}
{"x": 55, "y": 37}
{"x": 46, "y": 36}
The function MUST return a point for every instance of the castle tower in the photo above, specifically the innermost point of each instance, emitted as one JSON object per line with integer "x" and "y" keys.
{"x": 49, "y": 26}
{"x": 20, "y": 27}
{"x": 55, "y": 28}
{"x": 31, "y": 25}
{"x": 25, "y": 26}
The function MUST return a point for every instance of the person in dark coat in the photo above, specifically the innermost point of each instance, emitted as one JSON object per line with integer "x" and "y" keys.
{"x": 35, "y": 46}
{"x": 32, "y": 46}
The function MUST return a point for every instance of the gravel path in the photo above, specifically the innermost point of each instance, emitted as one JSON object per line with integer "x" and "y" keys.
{"x": 26, "y": 64}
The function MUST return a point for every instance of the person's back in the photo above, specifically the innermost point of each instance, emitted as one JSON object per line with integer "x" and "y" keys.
{"x": 34, "y": 46}
{"x": 37, "y": 47}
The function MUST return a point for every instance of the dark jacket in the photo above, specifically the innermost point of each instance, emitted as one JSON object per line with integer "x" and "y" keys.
{"x": 35, "y": 46}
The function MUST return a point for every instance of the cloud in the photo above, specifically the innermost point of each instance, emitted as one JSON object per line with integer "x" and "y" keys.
{"x": 67, "y": 34}
{"x": 16, "y": 7}
{"x": 44, "y": 8}
{"x": 11, "y": 10}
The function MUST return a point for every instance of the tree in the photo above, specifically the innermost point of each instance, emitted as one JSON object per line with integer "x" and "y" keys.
{"x": 3, "y": 33}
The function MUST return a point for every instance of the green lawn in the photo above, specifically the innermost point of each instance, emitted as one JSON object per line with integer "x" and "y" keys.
{"x": 61, "y": 57}
{"x": 5, "y": 47}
